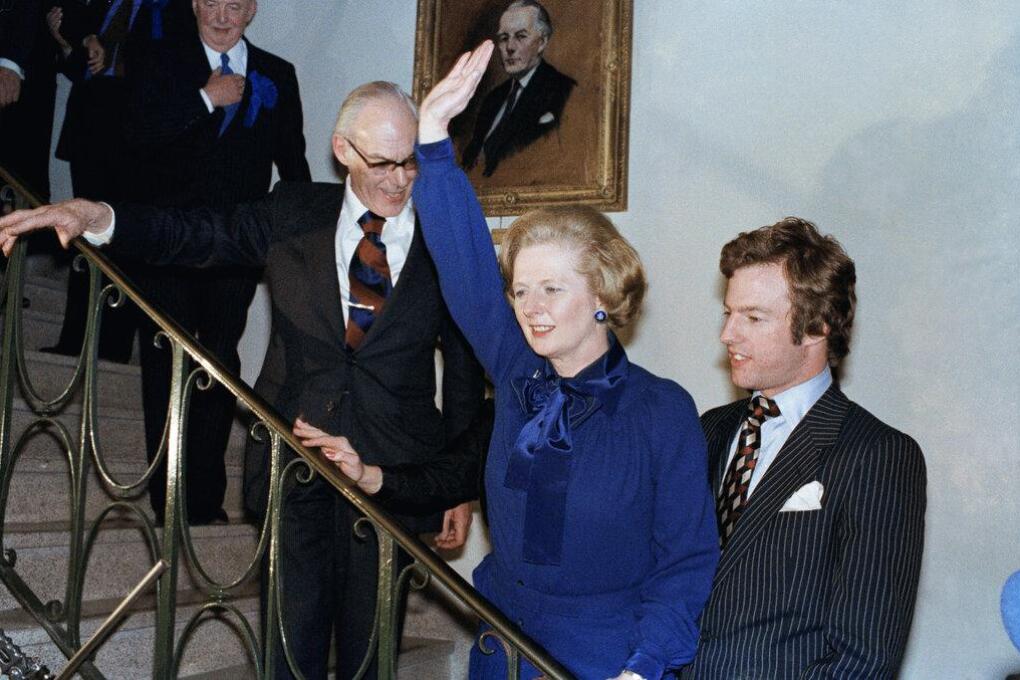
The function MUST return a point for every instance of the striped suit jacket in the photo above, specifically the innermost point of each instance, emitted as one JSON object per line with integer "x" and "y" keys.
{"x": 826, "y": 593}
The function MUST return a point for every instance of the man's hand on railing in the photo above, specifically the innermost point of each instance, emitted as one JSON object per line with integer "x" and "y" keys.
{"x": 69, "y": 219}
{"x": 369, "y": 478}
{"x": 456, "y": 522}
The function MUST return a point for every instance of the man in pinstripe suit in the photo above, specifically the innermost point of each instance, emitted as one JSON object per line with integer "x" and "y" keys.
{"x": 821, "y": 505}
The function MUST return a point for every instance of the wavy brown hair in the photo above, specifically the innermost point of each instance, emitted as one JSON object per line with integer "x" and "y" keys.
{"x": 820, "y": 274}
{"x": 606, "y": 260}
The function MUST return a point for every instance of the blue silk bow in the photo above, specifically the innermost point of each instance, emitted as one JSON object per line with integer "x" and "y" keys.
{"x": 542, "y": 458}
{"x": 263, "y": 93}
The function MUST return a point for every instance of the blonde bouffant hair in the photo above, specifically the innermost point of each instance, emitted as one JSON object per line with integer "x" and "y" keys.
{"x": 605, "y": 259}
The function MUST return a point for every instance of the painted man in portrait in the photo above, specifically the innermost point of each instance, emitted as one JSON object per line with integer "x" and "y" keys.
{"x": 529, "y": 104}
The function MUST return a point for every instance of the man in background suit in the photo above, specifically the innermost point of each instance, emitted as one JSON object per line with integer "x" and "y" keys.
{"x": 208, "y": 116}
{"x": 820, "y": 504}
{"x": 27, "y": 92}
{"x": 373, "y": 384}
{"x": 529, "y": 104}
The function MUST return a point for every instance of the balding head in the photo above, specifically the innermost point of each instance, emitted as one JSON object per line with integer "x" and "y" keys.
{"x": 374, "y": 139}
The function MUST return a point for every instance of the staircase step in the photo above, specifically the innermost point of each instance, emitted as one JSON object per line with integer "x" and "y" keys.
{"x": 45, "y": 295}
{"x": 119, "y": 558}
{"x": 40, "y": 486}
{"x": 127, "y": 654}
{"x": 116, "y": 384}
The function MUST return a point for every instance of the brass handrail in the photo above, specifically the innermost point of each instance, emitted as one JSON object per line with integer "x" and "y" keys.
{"x": 513, "y": 639}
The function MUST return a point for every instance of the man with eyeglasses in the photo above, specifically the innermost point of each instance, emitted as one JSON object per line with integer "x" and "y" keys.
{"x": 356, "y": 316}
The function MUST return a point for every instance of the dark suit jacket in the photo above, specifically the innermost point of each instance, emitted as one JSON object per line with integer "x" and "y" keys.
{"x": 22, "y": 28}
{"x": 381, "y": 396}
{"x": 827, "y": 593}
{"x": 28, "y": 123}
{"x": 180, "y": 159}
{"x": 538, "y": 112}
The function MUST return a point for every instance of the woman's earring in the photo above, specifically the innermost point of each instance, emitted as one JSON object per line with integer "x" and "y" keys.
{"x": 600, "y": 315}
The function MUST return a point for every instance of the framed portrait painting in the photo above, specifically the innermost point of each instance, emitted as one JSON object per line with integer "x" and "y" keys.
{"x": 549, "y": 122}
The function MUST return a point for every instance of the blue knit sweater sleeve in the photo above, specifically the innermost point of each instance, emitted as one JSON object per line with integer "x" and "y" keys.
{"x": 461, "y": 246}
{"x": 684, "y": 539}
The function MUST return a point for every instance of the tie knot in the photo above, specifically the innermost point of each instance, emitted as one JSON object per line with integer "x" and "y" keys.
{"x": 225, "y": 63}
{"x": 761, "y": 408}
{"x": 371, "y": 223}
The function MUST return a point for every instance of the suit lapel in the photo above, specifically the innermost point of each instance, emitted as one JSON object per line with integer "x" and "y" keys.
{"x": 796, "y": 464}
{"x": 719, "y": 444}
{"x": 320, "y": 256}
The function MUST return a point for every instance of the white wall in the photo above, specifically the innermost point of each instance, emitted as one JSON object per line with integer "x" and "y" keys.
{"x": 893, "y": 126}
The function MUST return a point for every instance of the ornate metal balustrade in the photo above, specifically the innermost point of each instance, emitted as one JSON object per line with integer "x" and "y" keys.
{"x": 193, "y": 369}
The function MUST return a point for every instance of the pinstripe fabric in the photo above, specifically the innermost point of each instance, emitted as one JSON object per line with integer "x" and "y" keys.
{"x": 818, "y": 594}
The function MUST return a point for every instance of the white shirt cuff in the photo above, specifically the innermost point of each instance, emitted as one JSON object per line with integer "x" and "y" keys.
{"x": 7, "y": 63}
{"x": 105, "y": 236}
{"x": 208, "y": 102}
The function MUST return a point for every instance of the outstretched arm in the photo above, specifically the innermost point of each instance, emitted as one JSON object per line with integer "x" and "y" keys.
{"x": 455, "y": 229}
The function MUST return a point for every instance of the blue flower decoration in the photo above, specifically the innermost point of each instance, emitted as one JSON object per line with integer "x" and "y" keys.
{"x": 263, "y": 94}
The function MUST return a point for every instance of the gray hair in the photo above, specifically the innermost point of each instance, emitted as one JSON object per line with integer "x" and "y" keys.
{"x": 542, "y": 19}
{"x": 362, "y": 95}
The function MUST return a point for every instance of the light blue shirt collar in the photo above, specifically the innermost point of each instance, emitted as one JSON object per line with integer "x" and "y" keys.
{"x": 794, "y": 404}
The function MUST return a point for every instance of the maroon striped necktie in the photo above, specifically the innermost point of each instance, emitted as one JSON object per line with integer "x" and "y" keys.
{"x": 733, "y": 497}
{"x": 370, "y": 282}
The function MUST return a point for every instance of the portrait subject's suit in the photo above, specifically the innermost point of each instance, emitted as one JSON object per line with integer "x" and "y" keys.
{"x": 538, "y": 111}
{"x": 381, "y": 396}
{"x": 826, "y": 593}
{"x": 180, "y": 159}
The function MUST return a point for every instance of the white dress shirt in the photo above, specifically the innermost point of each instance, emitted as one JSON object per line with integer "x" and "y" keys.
{"x": 793, "y": 404}
{"x": 238, "y": 55}
{"x": 396, "y": 236}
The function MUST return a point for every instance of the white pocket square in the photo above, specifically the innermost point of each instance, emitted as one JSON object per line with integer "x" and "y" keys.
{"x": 546, "y": 118}
{"x": 807, "y": 497}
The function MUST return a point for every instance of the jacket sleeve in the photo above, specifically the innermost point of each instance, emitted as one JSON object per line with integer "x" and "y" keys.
{"x": 448, "y": 480}
{"x": 684, "y": 539}
{"x": 289, "y": 141}
{"x": 876, "y": 585}
{"x": 461, "y": 247}
{"x": 19, "y": 31}
{"x": 196, "y": 237}
{"x": 162, "y": 105}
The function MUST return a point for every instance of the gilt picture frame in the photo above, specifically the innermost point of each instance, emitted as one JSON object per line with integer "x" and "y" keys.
{"x": 571, "y": 142}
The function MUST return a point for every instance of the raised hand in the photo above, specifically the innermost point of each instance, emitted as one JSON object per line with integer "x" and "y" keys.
{"x": 69, "y": 219}
{"x": 451, "y": 95}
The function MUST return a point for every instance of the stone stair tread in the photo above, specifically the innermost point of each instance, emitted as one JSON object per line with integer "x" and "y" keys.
{"x": 51, "y": 534}
{"x": 415, "y": 652}
{"x": 98, "y": 609}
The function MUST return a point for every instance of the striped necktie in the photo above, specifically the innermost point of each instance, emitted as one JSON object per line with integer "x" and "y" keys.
{"x": 369, "y": 275}
{"x": 732, "y": 498}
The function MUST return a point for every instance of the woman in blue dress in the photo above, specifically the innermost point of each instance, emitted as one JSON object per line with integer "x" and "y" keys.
{"x": 603, "y": 530}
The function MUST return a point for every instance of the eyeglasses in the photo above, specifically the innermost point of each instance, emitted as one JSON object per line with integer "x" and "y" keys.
{"x": 381, "y": 168}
